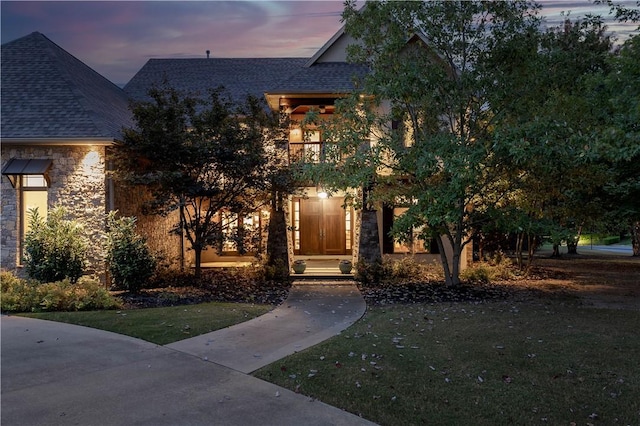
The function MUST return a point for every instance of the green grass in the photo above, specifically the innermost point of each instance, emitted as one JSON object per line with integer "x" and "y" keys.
{"x": 490, "y": 363}
{"x": 161, "y": 325}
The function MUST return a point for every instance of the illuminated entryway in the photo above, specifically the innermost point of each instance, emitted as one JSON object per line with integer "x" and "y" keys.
{"x": 321, "y": 226}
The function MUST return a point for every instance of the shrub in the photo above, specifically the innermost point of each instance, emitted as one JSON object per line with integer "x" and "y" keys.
{"x": 20, "y": 295}
{"x": 130, "y": 261}
{"x": 398, "y": 270}
{"x": 615, "y": 239}
{"x": 369, "y": 274}
{"x": 55, "y": 248}
{"x": 499, "y": 267}
{"x": 171, "y": 277}
{"x": 481, "y": 273}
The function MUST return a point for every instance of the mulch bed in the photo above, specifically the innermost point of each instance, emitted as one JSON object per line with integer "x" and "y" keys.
{"x": 216, "y": 287}
{"x": 390, "y": 294}
{"x": 213, "y": 287}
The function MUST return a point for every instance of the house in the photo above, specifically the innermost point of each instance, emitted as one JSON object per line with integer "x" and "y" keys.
{"x": 319, "y": 226}
{"x": 59, "y": 118}
{"x": 79, "y": 113}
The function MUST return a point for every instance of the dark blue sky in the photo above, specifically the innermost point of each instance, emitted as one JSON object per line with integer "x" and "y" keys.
{"x": 116, "y": 38}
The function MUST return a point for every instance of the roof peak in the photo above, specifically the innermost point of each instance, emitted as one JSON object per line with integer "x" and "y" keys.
{"x": 41, "y": 79}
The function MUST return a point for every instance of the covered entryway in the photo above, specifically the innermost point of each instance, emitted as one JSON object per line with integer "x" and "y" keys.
{"x": 321, "y": 226}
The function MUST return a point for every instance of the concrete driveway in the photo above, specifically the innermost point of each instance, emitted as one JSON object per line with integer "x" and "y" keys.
{"x": 61, "y": 374}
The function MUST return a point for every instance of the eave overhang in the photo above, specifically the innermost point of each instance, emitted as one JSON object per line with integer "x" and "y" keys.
{"x": 279, "y": 100}
{"x": 59, "y": 141}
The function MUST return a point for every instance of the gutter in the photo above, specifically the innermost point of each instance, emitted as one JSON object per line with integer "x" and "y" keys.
{"x": 59, "y": 141}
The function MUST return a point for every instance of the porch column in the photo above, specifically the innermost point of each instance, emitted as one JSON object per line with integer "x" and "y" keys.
{"x": 369, "y": 242}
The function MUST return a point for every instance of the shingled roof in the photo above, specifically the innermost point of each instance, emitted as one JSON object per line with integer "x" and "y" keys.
{"x": 242, "y": 76}
{"x": 324, "y": 77}
{"x": 239, "y": 76}
{"x": 47, "y": 93}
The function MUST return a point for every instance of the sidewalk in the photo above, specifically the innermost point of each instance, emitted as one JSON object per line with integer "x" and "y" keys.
{"x": 311, "y": 314}
{"x": 59, "y": 374}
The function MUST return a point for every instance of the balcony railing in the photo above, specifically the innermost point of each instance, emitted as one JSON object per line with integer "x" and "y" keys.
{"x": 308, "y": 152}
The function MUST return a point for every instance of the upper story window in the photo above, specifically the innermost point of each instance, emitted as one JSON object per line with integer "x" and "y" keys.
{"x": 305, "y": 146}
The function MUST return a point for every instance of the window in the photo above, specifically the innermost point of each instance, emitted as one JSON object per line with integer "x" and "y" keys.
{"x": 33, "y": 194}
{"x": 307, "y": 147}
{"x": 296, "y": 224}
{"x": 241, "y": 234}
{"x": 30, "y": 177}
{"x": 415, "y": 244}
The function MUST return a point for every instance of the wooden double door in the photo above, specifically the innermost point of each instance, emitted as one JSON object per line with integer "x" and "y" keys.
{"x": 322, "y": 227}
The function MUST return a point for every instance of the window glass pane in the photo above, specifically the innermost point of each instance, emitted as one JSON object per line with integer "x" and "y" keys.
{"x": 32, "y": 200}
{"x": 229, "y": 226}
{"x": 296, "y": 224}
{"x": 34, "y": 181}
{"x": 347, "y": 221}
{"x": 415, "y": 243}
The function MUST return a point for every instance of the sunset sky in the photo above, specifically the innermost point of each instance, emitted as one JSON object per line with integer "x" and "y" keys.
{"x": 116, "y": 38}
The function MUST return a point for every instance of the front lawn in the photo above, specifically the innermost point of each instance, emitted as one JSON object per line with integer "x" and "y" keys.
{"x": 504, "y": 362}
{"x": 161, "y": 325}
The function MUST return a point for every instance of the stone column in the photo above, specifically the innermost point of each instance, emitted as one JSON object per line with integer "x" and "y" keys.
{"x": 369, "y": 242}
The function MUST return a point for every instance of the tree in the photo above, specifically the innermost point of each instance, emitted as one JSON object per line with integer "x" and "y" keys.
{"x": 205, "y": 157}
{"x": 550, "y": 137}
{"x": 618, "y": 96}
{"x": 428, "y": 107}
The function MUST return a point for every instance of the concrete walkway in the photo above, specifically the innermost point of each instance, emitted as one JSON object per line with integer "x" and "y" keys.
{"x": 59, "y": 374}
{"x": 312, "y": 313}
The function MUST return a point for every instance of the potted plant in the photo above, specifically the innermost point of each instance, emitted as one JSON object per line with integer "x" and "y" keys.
{"x": 345, "y": 266}
{"x": 299, "y": 266}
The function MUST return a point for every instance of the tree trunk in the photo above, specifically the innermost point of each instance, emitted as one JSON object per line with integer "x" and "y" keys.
{"x": 572, "y": 243}
{"x": 455, "y": 267}
{"x": 448, "y": 276}
{"x": 519, "y": 244}
{"x": 198, "y": 262}
{"x": 531, "y": 243}
{"x": 635, "y": 238}
{"x": 181, "y": 234}
{"x": 556, "y": 251}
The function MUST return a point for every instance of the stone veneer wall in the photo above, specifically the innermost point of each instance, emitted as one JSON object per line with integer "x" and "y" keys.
{"x": 77, "y": 182}
{"x": 156, "y": 229}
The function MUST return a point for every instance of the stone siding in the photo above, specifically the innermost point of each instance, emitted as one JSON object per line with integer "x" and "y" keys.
{"x": 129, "y": 201}
{"x": 77, "y": 182}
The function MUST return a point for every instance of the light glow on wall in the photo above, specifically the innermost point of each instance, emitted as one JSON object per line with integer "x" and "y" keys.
{"x": 89, "y": 163}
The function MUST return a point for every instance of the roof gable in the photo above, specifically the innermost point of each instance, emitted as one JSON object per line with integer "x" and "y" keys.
{"x": 48, "y": 93}
{"x": 334, "y": 50}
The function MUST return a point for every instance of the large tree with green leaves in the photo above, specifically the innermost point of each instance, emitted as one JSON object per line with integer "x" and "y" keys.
{"x": 550, "y": 136}
{"x": 617, "y": 93}
{"x": 428, "y": 107}
{"x": 574, "y": 143}
{"x": 206, "y": 156}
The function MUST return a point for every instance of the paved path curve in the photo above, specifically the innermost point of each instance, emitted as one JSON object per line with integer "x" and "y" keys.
{"x": 312, "y": 313}
{"x": 61, "y": 374}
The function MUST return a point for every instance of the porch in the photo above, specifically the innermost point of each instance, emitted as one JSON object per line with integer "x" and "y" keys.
{"x": 318, "y": 266}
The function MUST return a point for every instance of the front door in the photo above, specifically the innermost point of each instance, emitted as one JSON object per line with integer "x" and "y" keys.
{"x": 322, "y": 226}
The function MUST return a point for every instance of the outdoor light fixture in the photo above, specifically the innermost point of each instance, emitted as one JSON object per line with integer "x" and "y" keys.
{"x": 320, "y": 191}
